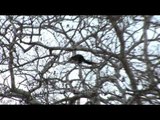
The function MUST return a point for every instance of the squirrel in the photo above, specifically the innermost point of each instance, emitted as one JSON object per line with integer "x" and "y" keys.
{"x": 78, "y": 59}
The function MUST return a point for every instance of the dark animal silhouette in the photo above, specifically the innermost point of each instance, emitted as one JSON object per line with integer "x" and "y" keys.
{"x": 78, "y": 59}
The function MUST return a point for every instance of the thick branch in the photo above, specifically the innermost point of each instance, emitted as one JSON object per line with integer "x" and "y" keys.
{"x": 11, "y": 68}
{"x": 124, "y": 61}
